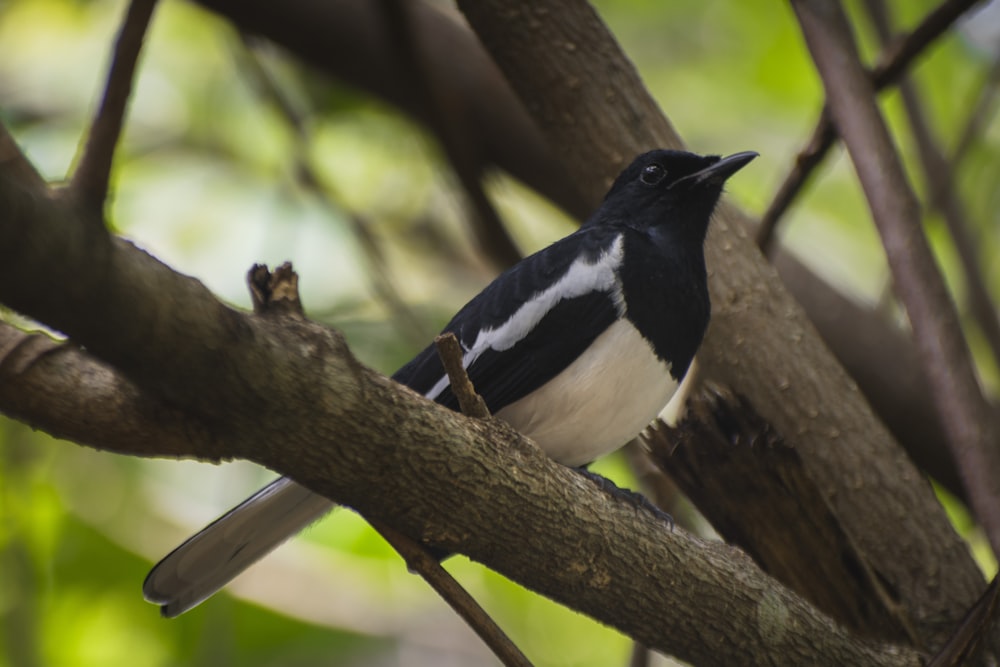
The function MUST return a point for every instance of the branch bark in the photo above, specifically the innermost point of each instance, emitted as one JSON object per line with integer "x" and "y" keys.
{"x": 939, "y": 183}
{"x": 972, "y": 433}
{"x": 308, "y": 409}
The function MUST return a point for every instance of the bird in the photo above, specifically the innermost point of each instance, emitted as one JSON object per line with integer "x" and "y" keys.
{"x": 578, "y": 346}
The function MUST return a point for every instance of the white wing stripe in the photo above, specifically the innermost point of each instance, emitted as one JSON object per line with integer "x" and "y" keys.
{"x": 581, "y": 278}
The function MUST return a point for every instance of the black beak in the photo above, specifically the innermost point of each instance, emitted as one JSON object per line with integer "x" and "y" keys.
{"x": 718, "y": 173}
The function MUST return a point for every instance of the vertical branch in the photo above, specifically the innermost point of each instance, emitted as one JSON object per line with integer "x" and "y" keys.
{"x": 894, "y": 60}
{"x": 972, "y": 433}
{"x": 89, "y": 183}
{"x": 940, "y": 183}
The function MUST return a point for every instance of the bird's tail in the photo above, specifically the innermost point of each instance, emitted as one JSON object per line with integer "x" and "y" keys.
{"x": 209, "y": 560}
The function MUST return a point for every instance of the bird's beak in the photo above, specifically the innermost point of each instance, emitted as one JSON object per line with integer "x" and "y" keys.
{"x": 717, "y": 173}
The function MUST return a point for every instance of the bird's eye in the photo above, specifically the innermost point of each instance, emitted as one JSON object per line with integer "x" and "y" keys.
{"x": 652, "y": 174}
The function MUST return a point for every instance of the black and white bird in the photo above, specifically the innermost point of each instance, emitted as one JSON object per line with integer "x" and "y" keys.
{"x": 578, "y": 347}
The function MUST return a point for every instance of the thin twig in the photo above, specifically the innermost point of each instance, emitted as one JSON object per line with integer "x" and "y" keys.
{"x": 940, "y": 185}
{"x": 472, "y": 405}
{"x": 494, "y": 240}
{"x": 90, "y": 180}
{"x": 420, "y": 560}
{"x": 893, "y": 61}
{"x": 972, "y": 432}
{"x": 450, "y": 352}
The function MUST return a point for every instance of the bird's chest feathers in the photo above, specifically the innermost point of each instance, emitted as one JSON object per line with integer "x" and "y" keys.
{"x": 604, "y": 398}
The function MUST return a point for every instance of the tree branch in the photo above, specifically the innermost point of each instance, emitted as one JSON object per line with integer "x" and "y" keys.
{"x": 942, "y": 195}
{"x": 895, "y": 59}
{"x": 63, "y": 390}
{"x": 470, "y": 402}
{"x": 93, "y": 173}
{"x": 745, "y": 478}
{"x": 885, "y": 364}
{"x": 318, "y": 416}
{"x": 966, "y": 645}
{"x": 419, "y": 559}
{"x": 979, "y": 114}
{"x": 968, "y": 421}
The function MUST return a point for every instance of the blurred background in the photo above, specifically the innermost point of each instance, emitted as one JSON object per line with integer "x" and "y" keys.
{"x": 212, "y": 177}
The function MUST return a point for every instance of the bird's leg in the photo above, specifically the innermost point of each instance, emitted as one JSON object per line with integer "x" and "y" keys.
{"x": 634, "y": 498}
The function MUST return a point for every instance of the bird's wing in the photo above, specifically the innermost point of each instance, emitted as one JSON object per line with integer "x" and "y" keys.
{"x": 516, "y": 337}
{"x": 209, "y": 560}
{"x": 502, "y": 376}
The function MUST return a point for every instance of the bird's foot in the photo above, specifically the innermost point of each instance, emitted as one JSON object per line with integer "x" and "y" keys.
{"x": 634, "y": 498}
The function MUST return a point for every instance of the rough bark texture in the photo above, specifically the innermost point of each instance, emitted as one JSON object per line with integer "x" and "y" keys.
{"x": 882, "y": 361}
{"x": 596, "y": 114}
{"x": 756, "y": 491}
{"x": 300, "y": 404}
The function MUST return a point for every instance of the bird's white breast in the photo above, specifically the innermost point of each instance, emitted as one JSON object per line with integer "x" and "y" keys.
{"x": 599, "y": 402}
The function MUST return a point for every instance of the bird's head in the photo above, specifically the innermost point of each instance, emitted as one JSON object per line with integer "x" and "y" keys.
{"x": 675, "y": 191}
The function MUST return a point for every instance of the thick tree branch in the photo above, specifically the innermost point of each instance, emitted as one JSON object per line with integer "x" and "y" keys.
{"x": 795, "y": 383}
{"x": 63, "y": 390}
{"x": 745, "y": 478}
{"x": 318, "y": 416}
{"x": 972, "y": 433}
{"x": 883, "y": 361}
{"x": 966, "y": 645}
